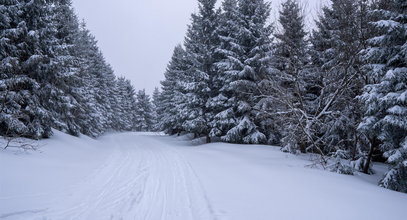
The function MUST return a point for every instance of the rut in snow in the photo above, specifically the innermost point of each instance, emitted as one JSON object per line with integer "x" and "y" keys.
{"x": 141, "y": 179}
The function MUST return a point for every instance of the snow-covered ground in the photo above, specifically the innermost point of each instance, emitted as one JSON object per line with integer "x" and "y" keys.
{"x": 149, "y": 176}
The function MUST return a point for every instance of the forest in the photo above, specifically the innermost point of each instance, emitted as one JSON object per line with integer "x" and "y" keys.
{"x": 53, "y": 75}
{"x": 338, "y": 90}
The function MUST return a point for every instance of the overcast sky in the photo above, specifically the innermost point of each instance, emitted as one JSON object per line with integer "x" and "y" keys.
{"x": 137, "y": 36}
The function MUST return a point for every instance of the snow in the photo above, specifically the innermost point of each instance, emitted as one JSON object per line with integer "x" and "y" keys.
{"x": 152, "y": 176}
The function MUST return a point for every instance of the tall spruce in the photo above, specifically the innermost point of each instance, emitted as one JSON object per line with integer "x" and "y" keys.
{"x": 61, "y": 82}
{"x": 172, "y": 98}
{"x": 143, "y": 113}
{"x": 91, "y": 118}
{"x": 157, "y": 114}
{"x": 200, "y": 44}
{"x": 227, "y": 68}
{"x": 126, "y": 105}
{"x": 385, "y": 96}
{"x": 330, "y": 124}
{"x": 290, "y": 59}
{"x": 23, "y": 25}
{"x": 254, "y": 45}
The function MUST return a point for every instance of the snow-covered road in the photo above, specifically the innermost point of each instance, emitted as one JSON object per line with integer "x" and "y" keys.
{"x": 152, "y": 177}
{"x": 140, "y": 178}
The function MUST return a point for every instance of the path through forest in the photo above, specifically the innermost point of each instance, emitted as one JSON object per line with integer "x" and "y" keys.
{"x": 154, "y": 177}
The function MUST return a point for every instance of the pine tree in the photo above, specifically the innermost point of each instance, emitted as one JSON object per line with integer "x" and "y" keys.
{"x": 61, "y": 83}
{"x": 22, "y": 26}
{"x": 200, "y": 44}
{"x": 101, "y": 84}
{"x": 330, "y": 122}
{"x": 157, "y": 114}
{"x": 143, "y": 113}
{"x": 172, "y": 97}
{"x": 227, "y": 68}
{"x": 91, "y": 120}
{"x": 111, "y": 101}
{"x": 254, "y": 42}
{"x": 385, "y": 96}
{"x": 126, "y": 105}
{"x": 290, "y": 59}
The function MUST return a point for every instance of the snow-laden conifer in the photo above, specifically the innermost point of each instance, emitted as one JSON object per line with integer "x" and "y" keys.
{"x": 172, "y": 97}
{"x": 22, "y": 25}
{"x": 385, "y": 96}
{"x": 200, "y": 45}
{"x": 290, "y": 59}
{"x": 143, "y": 113}
{"x": 254, "y": 46}
{"x": 227, "y": 68}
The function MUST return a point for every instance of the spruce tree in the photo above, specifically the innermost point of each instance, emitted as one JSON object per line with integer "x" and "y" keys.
{"x": 92, "y": 68}
{"x": 172, "y": 98}
{"x": 385, "y": 95}
{"x": 106, "y": 84}
{"x": 61, "y": 83}
{"x": 290, "y": 58}
{"x": 22, "y": 26}
{"x": 143, "y": 113}
{"x": 336, "y": 80}
{"x": 254, "y": 44}
{"x": 157, "y": 114}
{"x": 227, "y": 68}
{"x": 200, "y": 44}
{"x": 90, "y": 119}
{"x": 126, "y": 105}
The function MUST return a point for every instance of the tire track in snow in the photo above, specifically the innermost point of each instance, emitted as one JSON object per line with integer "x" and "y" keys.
{"x": 143, "y": 179}
{"x": 187, "y": 181}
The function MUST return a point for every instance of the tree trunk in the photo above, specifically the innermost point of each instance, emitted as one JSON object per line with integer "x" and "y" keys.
{"x": 303, "y": 148}
{"x": 369, "y": 157}
{"x": 208, "y": 139}
{"x": 355, "y": 144}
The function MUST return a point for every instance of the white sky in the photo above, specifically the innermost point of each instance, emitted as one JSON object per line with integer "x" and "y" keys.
{"x": 137, "y": 36}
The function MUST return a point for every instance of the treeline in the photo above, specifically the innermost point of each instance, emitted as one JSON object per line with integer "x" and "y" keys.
{"x": 53, "y": 75}
{"x": 339, "y": 90}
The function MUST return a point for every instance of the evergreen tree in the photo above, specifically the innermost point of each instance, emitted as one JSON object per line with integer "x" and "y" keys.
{"x": 254, "y": 42}
{"x": 106, "y": 91}
{"x": 172, "y": 97}
{"x": 22, "y": 26}
{"x": 200, "y": 44}
{"x": 92, "y": 121}
{"x": 126, "y": 105}
{"x": 227, "y": 68}
{"x": 290, "y": 59}
{"x": 330, "y": 122}
{"x": 143, "y": 113}
{"x": 157, "y": 114}
{"x": 385, "y": 96}
{"x": 61, "y": 83}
